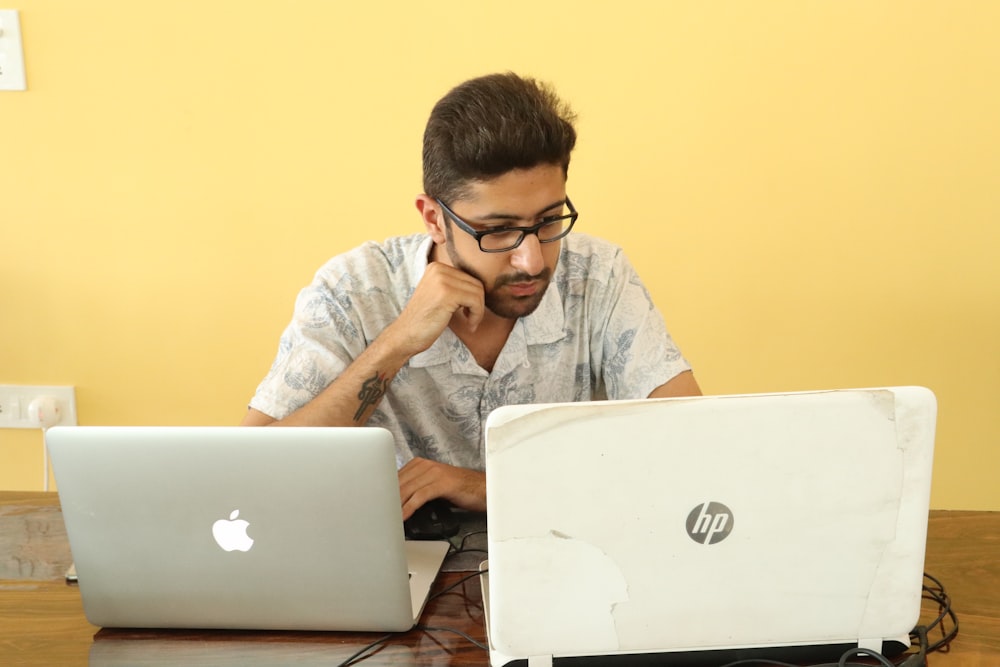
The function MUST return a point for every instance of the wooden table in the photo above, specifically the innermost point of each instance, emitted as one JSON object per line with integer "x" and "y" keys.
{"x": 42, "y": 621}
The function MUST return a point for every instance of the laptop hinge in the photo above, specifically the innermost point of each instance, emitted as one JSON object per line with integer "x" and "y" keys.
{"x": 871, "y": 643}
{"x": 540, "y": 661}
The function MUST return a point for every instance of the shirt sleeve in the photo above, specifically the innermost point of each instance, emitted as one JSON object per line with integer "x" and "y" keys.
{"x": 637, "y": 352}
{"x": 322, "y": 339}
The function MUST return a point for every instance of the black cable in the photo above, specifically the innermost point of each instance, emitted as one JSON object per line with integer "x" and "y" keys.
{"x": 360, "y": 655}
{"x": 937, "y": 593}
{"x": 461, "y": 545}
{"x": 761, "y": 662}
{"x": 466, "y": 550}
{"x": 478, "y": 644}
{"x": 860, "y": 652}
{"x": 918, "y": 659}
{"x": 765, "y": 662}
{"x": 456, "y": 584}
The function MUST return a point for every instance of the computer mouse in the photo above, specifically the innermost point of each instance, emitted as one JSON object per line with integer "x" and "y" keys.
{"x": 434, "y": 520}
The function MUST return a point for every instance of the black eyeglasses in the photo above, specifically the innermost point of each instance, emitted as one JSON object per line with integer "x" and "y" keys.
{"x": 551, "y": 228}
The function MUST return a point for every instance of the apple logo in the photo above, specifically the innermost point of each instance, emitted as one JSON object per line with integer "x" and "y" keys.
{"x": 232, "y": 534}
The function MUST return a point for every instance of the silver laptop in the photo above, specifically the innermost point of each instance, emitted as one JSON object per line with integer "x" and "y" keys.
{"x": 197, "y": 650}
{"x": 729, "y": 524}
{"x": 240, "y": 528}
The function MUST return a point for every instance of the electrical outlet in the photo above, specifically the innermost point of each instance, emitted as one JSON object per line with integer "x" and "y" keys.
{"x": 11, "y": 52}
{"x": 15, "y": 399}
{"x": 5, "y": 409}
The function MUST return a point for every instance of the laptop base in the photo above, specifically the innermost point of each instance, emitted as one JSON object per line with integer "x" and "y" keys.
{"x": 709, "y": 658}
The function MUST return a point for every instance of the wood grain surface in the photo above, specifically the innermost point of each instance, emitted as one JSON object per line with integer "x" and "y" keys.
{"x": 42, "y": 621}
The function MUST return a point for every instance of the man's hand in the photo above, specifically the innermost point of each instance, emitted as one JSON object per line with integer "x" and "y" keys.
{"x": 422, "y": 480}
{"x": 444, "y": 293}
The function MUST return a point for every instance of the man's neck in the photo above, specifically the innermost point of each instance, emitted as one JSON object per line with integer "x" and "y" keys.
{"x": 487, "y": 340}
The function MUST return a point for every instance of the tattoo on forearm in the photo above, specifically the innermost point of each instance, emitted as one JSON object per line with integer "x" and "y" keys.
{"x": 372, "y": 391}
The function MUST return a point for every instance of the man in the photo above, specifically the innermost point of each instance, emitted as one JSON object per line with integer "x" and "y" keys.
{"x": 496, "y": 304}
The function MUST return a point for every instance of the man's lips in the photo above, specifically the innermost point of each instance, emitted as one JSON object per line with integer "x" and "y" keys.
{"x": 523, "y": 289}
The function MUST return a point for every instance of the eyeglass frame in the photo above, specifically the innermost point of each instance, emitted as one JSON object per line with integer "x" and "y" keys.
{"x": 478, "y": 235}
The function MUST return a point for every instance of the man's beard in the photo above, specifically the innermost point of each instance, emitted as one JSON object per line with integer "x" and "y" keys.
{"x": 508, "y": 306}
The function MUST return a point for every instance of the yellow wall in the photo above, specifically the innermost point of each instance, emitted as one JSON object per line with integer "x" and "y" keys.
{"x": 810, "y": 189}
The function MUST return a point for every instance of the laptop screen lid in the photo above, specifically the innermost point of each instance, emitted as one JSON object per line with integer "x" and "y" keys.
{"x": 708, "y": 523}
{"x": 239, "y": 528}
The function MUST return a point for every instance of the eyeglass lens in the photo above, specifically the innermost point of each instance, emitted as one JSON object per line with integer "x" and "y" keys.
{"x": 508, "y": 239}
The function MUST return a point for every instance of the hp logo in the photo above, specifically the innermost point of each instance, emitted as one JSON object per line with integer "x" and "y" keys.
{"x": 709, "y": 523}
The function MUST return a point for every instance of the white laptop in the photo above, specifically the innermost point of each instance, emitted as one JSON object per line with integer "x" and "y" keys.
{"x": 240, "y": 528}
{"x": 726, "y": 527}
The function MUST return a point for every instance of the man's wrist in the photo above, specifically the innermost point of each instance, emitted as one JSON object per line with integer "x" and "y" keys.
{"x": 396, "y": 346}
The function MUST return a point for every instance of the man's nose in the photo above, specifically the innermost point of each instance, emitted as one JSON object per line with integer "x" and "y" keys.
{"x": 528, "y": 257}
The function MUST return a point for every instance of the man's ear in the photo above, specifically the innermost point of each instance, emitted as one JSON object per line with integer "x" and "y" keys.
{"x": 433, "y": 217}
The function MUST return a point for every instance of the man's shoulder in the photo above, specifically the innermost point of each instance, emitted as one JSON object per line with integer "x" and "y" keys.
{"x": 586, "y": 256}
{"x": 394, "y": 251}
{"x": 583, "y": 240}
{"x": 379, "y": 260}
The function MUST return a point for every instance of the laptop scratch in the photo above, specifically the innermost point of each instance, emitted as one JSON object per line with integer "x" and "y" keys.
{"x": 580, "y": 579}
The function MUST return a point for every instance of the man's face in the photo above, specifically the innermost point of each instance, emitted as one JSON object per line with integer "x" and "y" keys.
{"x": 514, "y": 281}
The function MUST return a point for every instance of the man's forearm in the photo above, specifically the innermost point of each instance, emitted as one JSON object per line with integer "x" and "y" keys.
{"x": 352, "y": 397}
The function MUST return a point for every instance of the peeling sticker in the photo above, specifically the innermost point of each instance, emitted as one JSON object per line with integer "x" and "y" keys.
{"x": 577, "y": 582}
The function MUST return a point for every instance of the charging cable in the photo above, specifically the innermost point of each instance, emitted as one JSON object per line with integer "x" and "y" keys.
{"x": 44, "y": 412}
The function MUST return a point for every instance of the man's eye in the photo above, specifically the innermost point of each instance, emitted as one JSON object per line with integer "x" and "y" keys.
{"x": 503, "y": 232}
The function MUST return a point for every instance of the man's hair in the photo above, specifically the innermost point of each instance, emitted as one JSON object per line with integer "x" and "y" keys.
{"x": 490, "y": 125}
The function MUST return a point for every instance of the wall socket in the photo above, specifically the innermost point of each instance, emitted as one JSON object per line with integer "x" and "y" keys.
{"x": 15, "y": 399}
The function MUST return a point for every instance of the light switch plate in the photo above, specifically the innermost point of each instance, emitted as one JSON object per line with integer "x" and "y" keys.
{"x": 11, "y": 52}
